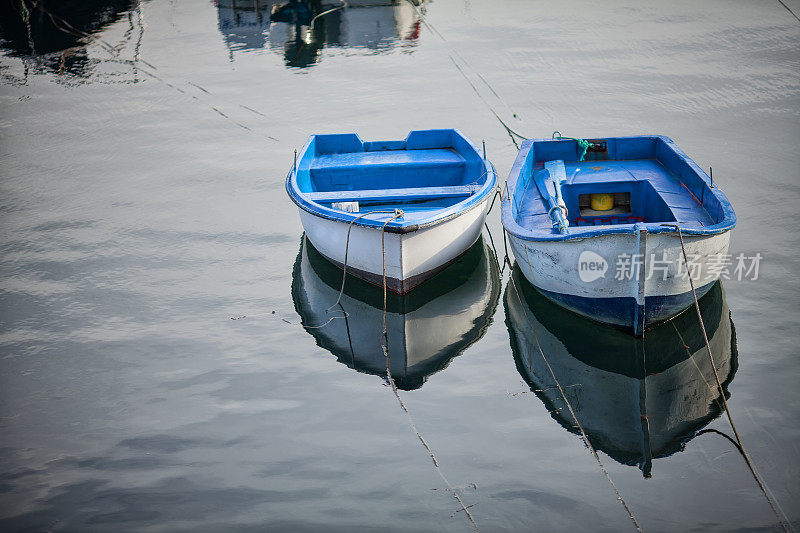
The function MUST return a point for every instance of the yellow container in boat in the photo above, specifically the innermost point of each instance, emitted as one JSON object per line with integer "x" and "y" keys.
{"x": 602, "y": 201}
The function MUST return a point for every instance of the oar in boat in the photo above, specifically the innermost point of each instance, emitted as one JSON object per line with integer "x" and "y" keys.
{"x": 557, "y": 209}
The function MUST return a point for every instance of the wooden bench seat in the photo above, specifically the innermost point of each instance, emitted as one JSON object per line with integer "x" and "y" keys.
{"x": 415, "y": 193}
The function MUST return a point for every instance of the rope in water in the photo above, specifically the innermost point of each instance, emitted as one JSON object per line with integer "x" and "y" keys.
{"x": 645, "y": 420}
{"x": 789, "y": 10}
{"x": 344, "y": 267}
{"x": 384, "y": 346}
{"x": 396, "y": 213}
{"x": 494, "y": 256}
{"x": 719, "y": 386}
{"x": 511, "y": 133}
{"x": 716, "y": 400}
{"x": 584, "y": 437}
{"x": 497, "y": 193}
{"x": 347, "y": 248}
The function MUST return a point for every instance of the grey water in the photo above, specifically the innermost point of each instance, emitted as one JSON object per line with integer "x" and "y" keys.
{"x": 160, "y": 364}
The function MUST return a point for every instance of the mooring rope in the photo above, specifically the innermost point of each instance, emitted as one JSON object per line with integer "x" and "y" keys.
{"x": 697, "y": 367}
{"x": 584, "y": 437}
{"x": 645, "y": 420}
{"x": 347, "y": 248}
{"x": 789, "y": 10}
{"x": 709, "y": 387}
{"x": 384, "y": 346}
{"x": 344, "y": 267}
{"x": 451, "y": 54}
{"x": 719, "y": 386}
{"x": 495, "y": 256}
{"x": 397, "y": 214}
{"x": 497, "y": 193}
{"x": 583, "y": 144}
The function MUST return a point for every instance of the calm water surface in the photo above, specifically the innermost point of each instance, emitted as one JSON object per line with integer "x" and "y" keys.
{"x": 160, "y": 368}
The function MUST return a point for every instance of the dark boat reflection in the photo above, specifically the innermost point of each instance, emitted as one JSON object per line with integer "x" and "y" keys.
{"x": 636, "y": 399}
{"x": 299, "y": 30}
{"x": 426, "y": 328}
{"x": 56, "y": 34}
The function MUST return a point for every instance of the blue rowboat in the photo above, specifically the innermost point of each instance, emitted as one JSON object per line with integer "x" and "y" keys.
{"x": 593, "y": 226}
{"x": 411, "y": 207}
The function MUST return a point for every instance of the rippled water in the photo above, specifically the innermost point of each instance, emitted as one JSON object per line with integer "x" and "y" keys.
{"x": 159, "y": 364}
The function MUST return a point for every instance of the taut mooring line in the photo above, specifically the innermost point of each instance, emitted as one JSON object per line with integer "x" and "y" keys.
{"x": 789, "y": 10}
{"x": 347, "y": 248}
{"x": 584, "y": 437}
{"x": 384, "y": 342}
{"x": 719, "y": 386}
{"x": 453, "y": 52}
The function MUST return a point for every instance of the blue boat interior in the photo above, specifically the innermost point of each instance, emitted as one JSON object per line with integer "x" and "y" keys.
{"x": 429, "y": 170}
{"x": 651, "y": 181}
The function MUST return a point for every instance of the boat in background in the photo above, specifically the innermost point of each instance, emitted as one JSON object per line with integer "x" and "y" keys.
{"x": 301, "y": 30}
{"x": 410, "y": 207}
{"x": 593, "y": 226}
{"x": 426, "y": 329}
{"x": 636, "y": 398}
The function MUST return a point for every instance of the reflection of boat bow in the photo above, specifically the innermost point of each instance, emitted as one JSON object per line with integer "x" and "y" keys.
{"x": 426, "y": 329}
{"x": 635, "y": 398}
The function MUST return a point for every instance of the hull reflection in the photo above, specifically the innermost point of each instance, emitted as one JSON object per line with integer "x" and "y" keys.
{"x": 636, "y": 399}
{"x": 426, "y": 329}
{"x": 55, "y": 36}
{"x": 299, "y": 30}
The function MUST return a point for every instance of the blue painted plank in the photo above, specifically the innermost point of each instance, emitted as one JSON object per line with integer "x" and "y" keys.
{"x": 386, "y": 194}
{"x": 390, "y": 158}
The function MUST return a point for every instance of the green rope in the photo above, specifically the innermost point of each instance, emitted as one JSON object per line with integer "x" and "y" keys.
{"x": 583, "y": 144}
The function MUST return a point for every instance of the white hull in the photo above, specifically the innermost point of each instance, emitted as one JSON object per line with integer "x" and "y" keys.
{"x": 654, "y": 290}
{"x": 411, "y": 258}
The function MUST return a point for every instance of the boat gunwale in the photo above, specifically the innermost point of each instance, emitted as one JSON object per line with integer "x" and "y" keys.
{"x": 476, "y": 199}
{"x": 583, "y": 232}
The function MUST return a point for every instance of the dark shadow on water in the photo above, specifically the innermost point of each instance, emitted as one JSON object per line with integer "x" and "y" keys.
{"x": 426, "y": 328}
{"x": 56, "y": 33}
{"x": 636, "y": 398}
{"x": 300, "y": 30}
